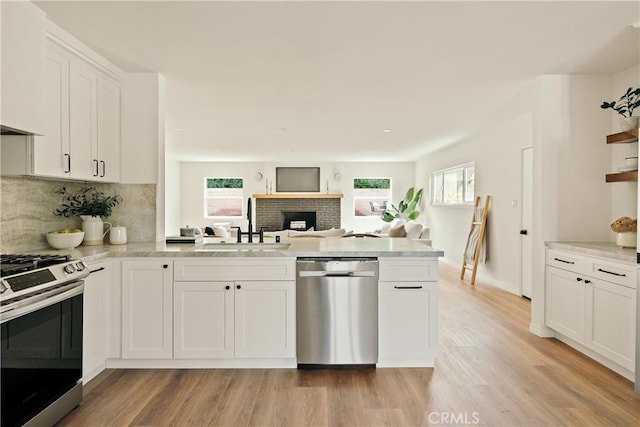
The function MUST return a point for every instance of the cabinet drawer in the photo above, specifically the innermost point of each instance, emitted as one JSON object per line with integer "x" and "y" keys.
{"x": 412, "y": 269}
{"x": 207, "y": 269}
{"x": 566, "y": 261}
{"x": 620, "y": 274}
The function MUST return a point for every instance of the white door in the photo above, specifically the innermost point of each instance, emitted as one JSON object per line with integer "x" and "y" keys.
{"x": 265, "y": 319}
{"x": 203, "y": 320}
{"x": 526, "y": 246}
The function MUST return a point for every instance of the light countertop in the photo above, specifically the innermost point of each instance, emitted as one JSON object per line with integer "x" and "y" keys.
{"x": 607, "y": 250}
{"x": 302, "y": 247}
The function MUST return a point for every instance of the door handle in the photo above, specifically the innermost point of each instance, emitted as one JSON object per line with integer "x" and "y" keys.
{"x": 523, "y": 232}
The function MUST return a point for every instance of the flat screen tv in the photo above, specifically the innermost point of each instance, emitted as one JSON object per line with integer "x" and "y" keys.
{"x": 298, "y": 179}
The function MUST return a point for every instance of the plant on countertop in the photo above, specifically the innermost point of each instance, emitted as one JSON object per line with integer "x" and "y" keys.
{"x": 624, "y": 224}
{"x": 626, "y": 104}
{"x": 406, "y": 209}
{"x": 86, "y": 201}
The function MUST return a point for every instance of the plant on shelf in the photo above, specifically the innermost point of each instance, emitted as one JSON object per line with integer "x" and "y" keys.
{"x": 86, "y": 201}
{"x": 625, "y": 106}
{"x": 407, "y": 209}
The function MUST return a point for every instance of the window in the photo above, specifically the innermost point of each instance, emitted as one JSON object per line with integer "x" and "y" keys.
{"x": 453, "y": 186}
{"x": 371, "y": 196}
{"x": 223, "y": 197}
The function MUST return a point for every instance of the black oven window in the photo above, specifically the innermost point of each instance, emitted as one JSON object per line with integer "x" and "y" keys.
{"x": 41, "y": 359}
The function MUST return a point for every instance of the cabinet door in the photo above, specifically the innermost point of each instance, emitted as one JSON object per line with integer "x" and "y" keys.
{"x": 51, "y": 155}
{"x": 565, "y": 302}
{"x": 203, "y": 325}
{"x": 611, "y": 320}
{"x": 108, "y": 131}
{"x": 94, "y": 342}
{"x": 265, "y": 319}
{"x": 407, "y": 323}
{"x": 147, "y": 309}
{"x": 83, "y": 84}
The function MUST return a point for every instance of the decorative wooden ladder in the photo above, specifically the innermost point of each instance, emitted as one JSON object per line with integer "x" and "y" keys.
{"x": 476, "y": 237}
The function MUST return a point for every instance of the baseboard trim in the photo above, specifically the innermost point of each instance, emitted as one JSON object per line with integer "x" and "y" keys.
{"x": 486, "y": 279}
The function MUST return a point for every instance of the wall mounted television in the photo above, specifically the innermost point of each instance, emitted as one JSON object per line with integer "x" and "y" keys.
{"x": 297, "y": 179}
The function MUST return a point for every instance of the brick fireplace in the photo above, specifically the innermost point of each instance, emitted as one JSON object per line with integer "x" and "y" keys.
{"x": 270, "y": 211}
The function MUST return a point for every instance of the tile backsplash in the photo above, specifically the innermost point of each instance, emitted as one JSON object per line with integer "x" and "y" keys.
{"x": 27, "y": 205}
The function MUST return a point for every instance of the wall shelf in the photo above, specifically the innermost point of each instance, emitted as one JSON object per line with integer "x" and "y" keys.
{"x": 299, "y": 196}
{"x": 622, "y": 176}
{"x": 625, "y": 137}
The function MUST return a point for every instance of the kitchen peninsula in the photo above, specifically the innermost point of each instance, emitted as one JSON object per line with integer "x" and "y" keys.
{"x": 216, "y": 306}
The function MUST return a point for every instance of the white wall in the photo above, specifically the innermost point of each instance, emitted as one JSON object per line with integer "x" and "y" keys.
{"x": 624, "y": 194}
{"x": 497, "y": 157}
{"x": 192, "y": 174}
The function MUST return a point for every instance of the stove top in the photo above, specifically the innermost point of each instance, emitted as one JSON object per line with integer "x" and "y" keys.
{"x": 26, "y": 277}
{"x": 11, "y": 264}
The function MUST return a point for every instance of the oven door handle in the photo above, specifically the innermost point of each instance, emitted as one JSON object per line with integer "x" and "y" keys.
{"x": 46, "y": 302}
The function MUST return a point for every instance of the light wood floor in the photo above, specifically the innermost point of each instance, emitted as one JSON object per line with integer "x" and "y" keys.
{"x": 490, "y": 371}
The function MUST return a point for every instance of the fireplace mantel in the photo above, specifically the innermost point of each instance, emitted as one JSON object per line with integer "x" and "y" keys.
{"x": 299, "y": 196}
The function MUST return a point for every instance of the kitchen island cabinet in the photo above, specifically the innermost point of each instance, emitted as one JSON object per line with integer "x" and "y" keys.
{"x": 234, "y": 319}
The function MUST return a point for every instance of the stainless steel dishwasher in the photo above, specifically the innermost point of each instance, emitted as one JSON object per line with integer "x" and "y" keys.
{"x": 337, "y": 311}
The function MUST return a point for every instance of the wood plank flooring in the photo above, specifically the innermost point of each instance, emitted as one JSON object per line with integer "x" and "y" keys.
{"x": 490, "y": 371}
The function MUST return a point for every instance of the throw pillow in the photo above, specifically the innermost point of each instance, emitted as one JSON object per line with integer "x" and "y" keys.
{"x": 397, "y": 232}
{"x": 413, "y": 229}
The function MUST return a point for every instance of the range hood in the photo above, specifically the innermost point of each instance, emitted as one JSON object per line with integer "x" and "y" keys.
{"x": 5, "y": 130}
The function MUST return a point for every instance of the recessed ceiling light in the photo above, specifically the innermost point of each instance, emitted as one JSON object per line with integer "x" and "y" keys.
{"x": 636, "y": 24}
{"x": 386, "y": 130}
{"x": 176, "y": 129}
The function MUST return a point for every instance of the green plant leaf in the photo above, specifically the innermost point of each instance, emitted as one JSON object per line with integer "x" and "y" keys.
{"x": 413, "y": 215}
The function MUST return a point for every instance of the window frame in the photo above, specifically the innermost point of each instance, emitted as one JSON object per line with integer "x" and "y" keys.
{"x": 356, "y": 198}
{"x": 206, "y": 198}
{"x": 438, "y": 176}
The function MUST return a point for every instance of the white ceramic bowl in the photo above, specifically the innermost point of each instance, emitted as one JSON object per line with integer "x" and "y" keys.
{"x": 65, "y": 240}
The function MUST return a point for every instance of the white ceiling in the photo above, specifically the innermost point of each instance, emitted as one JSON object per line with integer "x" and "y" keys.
{"x": 321, "y": 81}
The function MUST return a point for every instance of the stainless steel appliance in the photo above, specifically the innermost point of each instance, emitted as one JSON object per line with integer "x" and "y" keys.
{"x": 337, "y": 311}
{"x": 41, "y": 344}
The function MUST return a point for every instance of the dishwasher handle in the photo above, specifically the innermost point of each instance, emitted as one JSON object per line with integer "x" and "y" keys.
{"x": 361, "y": 273}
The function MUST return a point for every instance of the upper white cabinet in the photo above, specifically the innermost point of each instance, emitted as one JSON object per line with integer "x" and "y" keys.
{"x": 82, "y": 122}
{"x": 23, "y": 40}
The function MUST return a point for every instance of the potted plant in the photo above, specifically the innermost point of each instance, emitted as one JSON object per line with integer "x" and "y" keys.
{"x": 406, "y": 209}
{"x": 91, "y": 205}
{"x": 625, "y": 106}
{"x": 626, "y": 231}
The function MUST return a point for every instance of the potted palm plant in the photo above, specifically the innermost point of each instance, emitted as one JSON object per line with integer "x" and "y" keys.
{"x": 406, "y": 209}
{"x": 91, "y": 205}
{"x": 625, "y": 106}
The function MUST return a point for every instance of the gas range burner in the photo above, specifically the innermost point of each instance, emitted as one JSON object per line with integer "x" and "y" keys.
{"x": 11, "y": 264}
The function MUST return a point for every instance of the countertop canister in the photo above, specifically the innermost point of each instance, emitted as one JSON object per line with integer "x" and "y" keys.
{"x": 118, "y": 235}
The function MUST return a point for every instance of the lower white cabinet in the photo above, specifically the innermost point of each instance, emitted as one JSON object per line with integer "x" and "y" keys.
{"x": 592, "y": 302}
{"x": 147, "y": 309}
{"x": 95, "y": 321}
{"x": 235, "y": 319}
{"x": 407, "y": 312}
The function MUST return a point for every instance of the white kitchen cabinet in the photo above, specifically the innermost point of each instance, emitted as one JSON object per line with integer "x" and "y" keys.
{"x": 82, "y": 121}
{"x": 203, "y": 323}
{"x": 95, "y": 322}
{"x": 218, "y": 317}
{"x": 147, "y": 309}
{"x": 265, "y": 317}
{"x": 590, "y": 303}
{"x": 565, "y": 297}
{"x": 23, "y": 44}
{"x": 83, "y": 135}
{"x": 407, "y": 312}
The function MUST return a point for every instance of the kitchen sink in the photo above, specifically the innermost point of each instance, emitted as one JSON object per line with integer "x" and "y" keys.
{"x": 243, "y": 247}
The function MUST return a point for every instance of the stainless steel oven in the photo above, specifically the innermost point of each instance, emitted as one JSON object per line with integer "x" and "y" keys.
{"x": 41, "y": 339}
